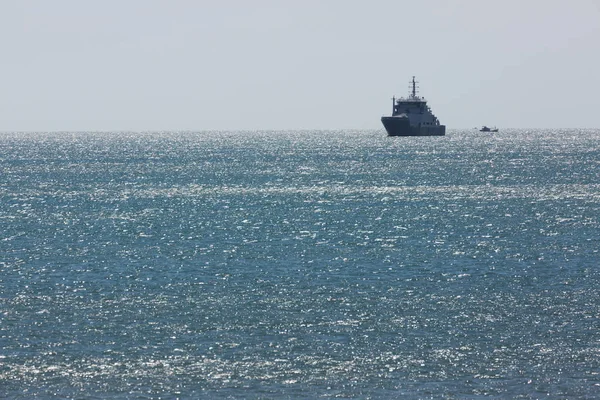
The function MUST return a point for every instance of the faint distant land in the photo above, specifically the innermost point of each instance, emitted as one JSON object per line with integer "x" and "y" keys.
{"x": 412, "y": 116}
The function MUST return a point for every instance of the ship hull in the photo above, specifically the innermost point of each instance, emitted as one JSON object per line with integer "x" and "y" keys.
{"x": 401, "y": 127}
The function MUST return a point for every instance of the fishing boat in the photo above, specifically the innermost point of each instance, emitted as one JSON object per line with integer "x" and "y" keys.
{"x": 488, "y": 129}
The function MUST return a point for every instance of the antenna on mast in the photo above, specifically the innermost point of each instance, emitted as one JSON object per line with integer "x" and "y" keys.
{"x": 414, "y": 88}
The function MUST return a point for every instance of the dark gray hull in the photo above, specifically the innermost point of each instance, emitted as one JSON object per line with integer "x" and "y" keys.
{"x": 401, "y": 127}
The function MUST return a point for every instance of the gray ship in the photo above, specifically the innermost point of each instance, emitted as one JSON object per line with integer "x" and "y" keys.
{"x": 412, "y": 116}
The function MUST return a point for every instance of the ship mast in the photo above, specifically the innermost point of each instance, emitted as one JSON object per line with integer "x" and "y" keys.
{"x": 413, "y": 95}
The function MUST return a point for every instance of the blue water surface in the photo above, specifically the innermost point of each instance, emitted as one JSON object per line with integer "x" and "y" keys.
{"x": 304, "y": 264}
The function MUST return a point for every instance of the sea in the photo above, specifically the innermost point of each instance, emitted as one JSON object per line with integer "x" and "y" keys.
{"x": 338, "y": 264}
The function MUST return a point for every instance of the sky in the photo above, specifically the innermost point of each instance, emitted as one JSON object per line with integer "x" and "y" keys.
{"x": 156, "y": 65}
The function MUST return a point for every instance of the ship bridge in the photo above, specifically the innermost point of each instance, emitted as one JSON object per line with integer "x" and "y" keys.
{"x": 414, "y": 108}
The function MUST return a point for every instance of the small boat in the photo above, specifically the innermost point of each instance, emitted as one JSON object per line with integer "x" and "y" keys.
{"x": 487, "y": 129}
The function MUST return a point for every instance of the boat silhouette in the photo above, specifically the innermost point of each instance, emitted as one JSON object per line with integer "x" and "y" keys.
{"x": 488, "y": 129}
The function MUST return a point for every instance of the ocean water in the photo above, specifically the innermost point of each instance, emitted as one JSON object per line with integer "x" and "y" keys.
{"x": 308, "y": 264}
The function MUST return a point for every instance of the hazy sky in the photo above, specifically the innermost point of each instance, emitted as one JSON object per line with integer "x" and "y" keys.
{"x": 314, "y": 64}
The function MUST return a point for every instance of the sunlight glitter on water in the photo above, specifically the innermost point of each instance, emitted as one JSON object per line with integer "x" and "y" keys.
{"x": 299, "y": 264}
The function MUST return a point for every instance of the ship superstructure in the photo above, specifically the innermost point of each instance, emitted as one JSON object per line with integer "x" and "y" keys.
{"x": 411, "y": 116}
